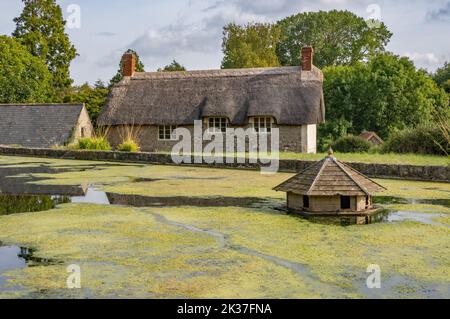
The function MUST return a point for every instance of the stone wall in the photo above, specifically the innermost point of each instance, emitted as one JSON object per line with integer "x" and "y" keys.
{"x": 411, "y": 172}
{"x": 292, "y": 138}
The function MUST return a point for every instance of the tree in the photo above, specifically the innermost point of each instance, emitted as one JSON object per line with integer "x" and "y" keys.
{"x": 338, "y": 38}
{"x": 174, "y": 66}
{"x": 251, "y": 45}
{"x": 442, "y": 77}
{"x": 139, "y": 68}
{"x": 24, "y": 78}
{"x": 385, "y": 95}
{"x": 93, "y": 97}
{"x": 40, "y": 27}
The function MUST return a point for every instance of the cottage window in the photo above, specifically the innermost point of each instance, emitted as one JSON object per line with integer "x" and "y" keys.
{"x": 217, "y": 124}
{"x": 262, "y": 124}
{"x": 166, "y": 132}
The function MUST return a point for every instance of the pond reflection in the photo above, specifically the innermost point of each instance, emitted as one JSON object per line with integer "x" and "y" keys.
{"x": 16, "y": 257}
{"x": 20, "y": 192}
{"x": 150, "y": 201}
{"x": 14, "y": 204}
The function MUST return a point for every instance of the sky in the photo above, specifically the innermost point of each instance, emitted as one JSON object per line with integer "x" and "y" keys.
{"x": 190, "y": 31}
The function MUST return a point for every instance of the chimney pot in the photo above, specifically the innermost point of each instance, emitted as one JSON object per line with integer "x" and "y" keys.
{"x": 307, "y": 58}
{"x": 128, "y": 64}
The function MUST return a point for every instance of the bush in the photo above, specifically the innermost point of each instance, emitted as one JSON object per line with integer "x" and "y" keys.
{"x": 351, "y": 144}
{"x": 422, "y": 140}
{"x": 129, "y": 146}
{"x": 93, "y": 143}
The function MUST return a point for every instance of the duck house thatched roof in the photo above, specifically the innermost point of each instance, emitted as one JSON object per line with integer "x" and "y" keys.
{"x": 330, "y": 177}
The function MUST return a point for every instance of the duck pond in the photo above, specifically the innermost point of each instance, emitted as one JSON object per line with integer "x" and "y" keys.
{"x": 149, "y": 231}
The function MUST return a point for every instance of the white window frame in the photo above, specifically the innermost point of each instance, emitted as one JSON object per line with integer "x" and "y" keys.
{"x": 220, "y": 124}
{"x": 171, "y": 133}
{"x": 262, "y": 124}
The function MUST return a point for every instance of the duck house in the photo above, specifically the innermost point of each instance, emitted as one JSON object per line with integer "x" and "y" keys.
{"x": 331, "y": 188}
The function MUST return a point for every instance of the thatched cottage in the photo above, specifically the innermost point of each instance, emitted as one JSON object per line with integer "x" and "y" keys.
{"x": 330, "y": 187}
{"x": 288, "y": 98}
{"x": 43, "y": 125}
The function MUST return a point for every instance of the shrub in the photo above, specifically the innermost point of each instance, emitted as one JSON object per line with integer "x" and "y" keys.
{"x": 130, "y": 136}
{"x": 422, "y": 140}
{"x": 351, "y": 144}
{"x": 129, "y": 146}
{"x": 93, "y": 143}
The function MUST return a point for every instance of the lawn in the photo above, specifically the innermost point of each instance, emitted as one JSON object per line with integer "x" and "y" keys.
{"x": 375, "y": 158}
{"x": 399, "y": 159}
{"x": 220, "y": 252}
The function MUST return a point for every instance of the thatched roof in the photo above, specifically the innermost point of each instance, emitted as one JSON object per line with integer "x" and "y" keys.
{"x": 38, "y": 125}
{"x": 291, "y": 96}
{"x": 330, "y": 177}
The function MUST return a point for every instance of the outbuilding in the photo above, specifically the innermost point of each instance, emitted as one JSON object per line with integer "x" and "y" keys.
{"x": 372, "y": 137}
{"x": 43, "y": 125}
{"x": 330, "y": 188}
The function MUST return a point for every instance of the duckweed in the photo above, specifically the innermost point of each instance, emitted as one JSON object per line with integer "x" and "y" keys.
{"x": 225, "y": 252}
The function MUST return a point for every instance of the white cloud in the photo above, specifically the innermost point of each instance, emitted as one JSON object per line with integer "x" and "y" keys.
{"x": 430, "y": 61}
{"x": 427, "y": 58}
{"x": 191, "y": 34}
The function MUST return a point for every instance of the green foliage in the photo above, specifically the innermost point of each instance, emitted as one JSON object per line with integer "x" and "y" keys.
{"x": 442, "y": 77}
{"x": 24, "y": 78}
{"x": 385, "y": 95}
{"x": 251, "y": 45}
{"x": 420, "y": 140}
{"x": 139, "y": 68}
{"x": 93, "y": 97}
{"x": 93, "y": 143}
{"x": 338, "y": 38}
{"x": 330, "y": 130}
{"x": 172, "y": 67}
{"x": 129, "y": 146}
{"x": 351, "y": 144}
{"x": 40, "y": 27}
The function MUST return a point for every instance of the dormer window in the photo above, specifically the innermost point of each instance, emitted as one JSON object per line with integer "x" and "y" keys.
{"x": 262, "y": 124}
{"x": 217, "y": 124}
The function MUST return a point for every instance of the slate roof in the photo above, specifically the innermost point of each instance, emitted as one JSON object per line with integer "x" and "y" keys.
{"x": 38, "y": 125}
{"x": 330, "y": 177}
{"x": 290, "y": 95}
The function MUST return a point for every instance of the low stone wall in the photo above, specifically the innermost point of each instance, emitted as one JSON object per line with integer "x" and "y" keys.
{"x": 411, "y": 172}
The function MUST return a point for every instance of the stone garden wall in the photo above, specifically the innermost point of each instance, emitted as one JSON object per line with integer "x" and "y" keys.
{"x": 412, "y": 172}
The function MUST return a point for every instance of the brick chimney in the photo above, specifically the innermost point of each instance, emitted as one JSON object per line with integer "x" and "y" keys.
{"x": 128, "y": 64}
{"x": 307, "y": 58}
